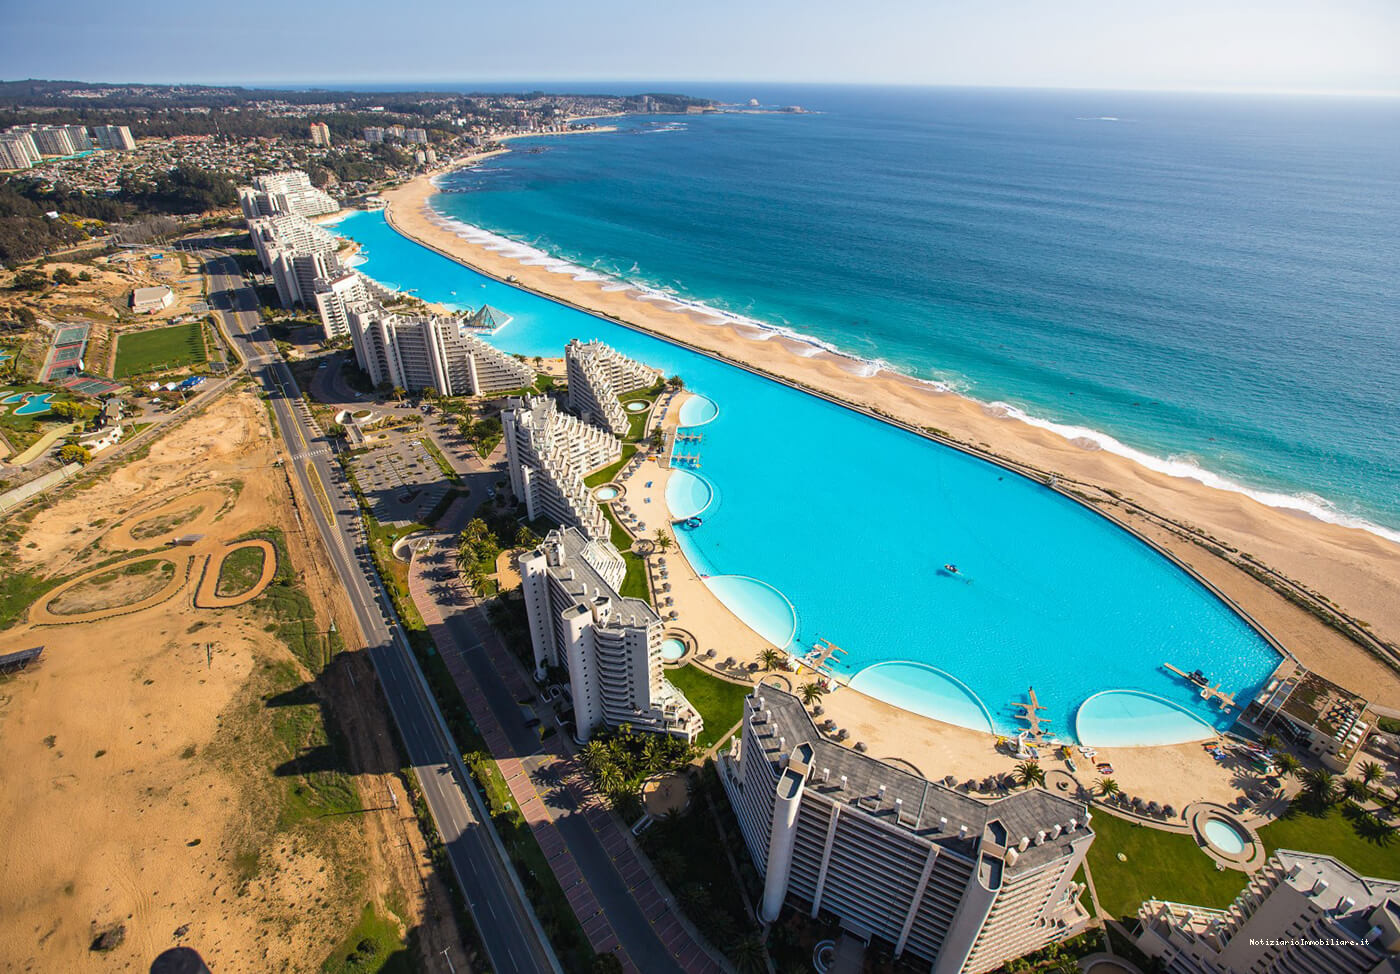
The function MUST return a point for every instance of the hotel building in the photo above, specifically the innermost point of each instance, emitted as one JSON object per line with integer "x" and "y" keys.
{"x": 610, "y": 645}
{"x": 283, "y": 193}
{"x": 1348, "y": 924}
{"x": 416, "y": 352}
{"x": 1311, "y": 712}
{"x": 115, "y": 138}
{"x": 598, "y": 375}
{"x": 320, "y": 134}
{"x": 958, "y": 882}
{"x": 53, "y": 140}
{"x": 336, "y": 295}
{"x": 549, "y": 453}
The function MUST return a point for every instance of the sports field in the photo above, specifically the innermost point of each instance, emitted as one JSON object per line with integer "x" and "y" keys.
{"x": 159, "y": 349}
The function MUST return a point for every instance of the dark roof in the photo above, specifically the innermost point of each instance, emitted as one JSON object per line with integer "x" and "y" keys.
{"x": 923, "y": 804}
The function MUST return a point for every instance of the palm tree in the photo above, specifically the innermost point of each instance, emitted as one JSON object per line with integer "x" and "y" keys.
{"x": 811, "y": 692}
{"x": 1029, "y": 773}
{"x": 663, "y": 540}
{"x": 1371, "y": 772}
{"x": 1271, "y": 742}
{"x": 1321, "y": 785}
{"x": 595, "y": 755}
{"x": 1288, "y": 765}
{"x": 1355, "y": 789}
{"x": 1107, "y": 787}
{"x": 610, "y": 778}
{"x": 749, "y": 956}
{"x": 770, "y": 658}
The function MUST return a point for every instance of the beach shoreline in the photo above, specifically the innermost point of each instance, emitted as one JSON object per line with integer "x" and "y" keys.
{"x": 1358, "y": 571}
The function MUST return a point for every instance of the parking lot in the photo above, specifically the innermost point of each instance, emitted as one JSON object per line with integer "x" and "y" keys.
{"x": 400, "y": 480}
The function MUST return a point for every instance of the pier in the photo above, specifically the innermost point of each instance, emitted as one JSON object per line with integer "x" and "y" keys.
{"x": 688, "y": 437}
{"x": 1030, "y": 713}
{"x": 686, "y": 459}
{"x": 1226, "y": 700}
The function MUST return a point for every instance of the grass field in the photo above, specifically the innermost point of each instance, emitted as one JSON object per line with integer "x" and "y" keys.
{"x": 1157, "y": 864}
{"x": 159, "y": 349}
{"x": 239, "y": 572}
{"x": 1334, "y": 832}
{"x": 720, "y": 702}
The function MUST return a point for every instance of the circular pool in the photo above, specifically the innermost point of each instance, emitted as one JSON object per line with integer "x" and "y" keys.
{"x": 697, "y": 410}
{"x": 1225, "y": 836}
{"x": 607, "y": 493}
{"x": 638, "y": 406}
{"x": 672, "y": 649}
{"x": 687, "y": 494}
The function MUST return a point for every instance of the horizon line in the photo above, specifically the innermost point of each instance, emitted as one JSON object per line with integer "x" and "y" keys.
{"x": 537, "y": 84}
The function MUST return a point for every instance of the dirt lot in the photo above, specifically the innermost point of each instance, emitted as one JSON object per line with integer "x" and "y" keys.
{"x": 181, "y": 772}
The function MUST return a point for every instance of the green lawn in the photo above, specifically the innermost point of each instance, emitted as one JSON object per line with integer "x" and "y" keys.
{"x": 720, "y": 702}
{"x": 1161, "y": 865}
{"x": 1332, "y": 834}
{"x": 634, "y": 585}
{"x": 159, "y": 349}
{"x": 610, "y": 471}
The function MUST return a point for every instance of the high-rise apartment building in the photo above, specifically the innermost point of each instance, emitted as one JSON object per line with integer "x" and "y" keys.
{"x": 18, "y": 151}
{"x": 597, "y": 376}
{"x": 1300, "y": 914}
{"x": 116, "y": 138}
{"x": 283, "y": 193}
{"x": 961, "y": 883}
{"x": 415, "y": 136}
{"x": 416, "y": 352}
{"x": 549, "y": 453}
{"x": 53, "y": 140}
{"x": 373, "y": 133}
{"x": 296, "y": 253}
{"x": 610, "y": 645}
{"x": 320, "y": 134}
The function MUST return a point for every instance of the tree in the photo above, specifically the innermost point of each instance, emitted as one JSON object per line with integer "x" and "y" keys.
{"x": 1107, "y": 787}
{"x": 663, "y": 540}
{"x": 811, "y": 692}
{"x": 335, "y": 429}
{"x": 749, "y": 956}
{"x": 64, "y": 276}
{"x": 1355, "y": 789}
{"x": 676, "y": 382}
{"x": 525, "y": 538}
{"x": 73, "y": 453}
{"x": 1288, "y": 765}
{"x": 1271, "y": 742}
{"x": 1029, "y": 773}
{"x": 65, "y": 410}
{"x": 399, "y": 392}
{"x": 1320, "y": 784}
{"x": 29, "y": 280}
{"x": 770, "y": 658}
{"x": 1371, "y": 772}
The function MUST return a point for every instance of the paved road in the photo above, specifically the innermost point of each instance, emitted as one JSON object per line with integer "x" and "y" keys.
{"x": 513, "y": 938}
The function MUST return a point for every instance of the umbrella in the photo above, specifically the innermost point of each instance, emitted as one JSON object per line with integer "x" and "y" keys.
{"x": 860, "y": 746}
{"x": 949, "y": 780}
{"x": 1168, "y": 811}
{"x": 969, "y": 785}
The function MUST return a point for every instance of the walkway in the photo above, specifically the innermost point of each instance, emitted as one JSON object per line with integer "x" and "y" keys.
{"x": 620, "y": 903}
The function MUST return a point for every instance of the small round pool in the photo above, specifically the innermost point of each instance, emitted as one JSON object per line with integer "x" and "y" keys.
{"x": 638, "y": 406}
{"x": 1225, "y": 836}
{"x": 697, "y": 410}
{"x": 606, "y": 493}
{"x": 672, "y": 649}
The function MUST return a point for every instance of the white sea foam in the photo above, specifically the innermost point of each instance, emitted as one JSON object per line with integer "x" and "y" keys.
{"x": 809, "y": 346}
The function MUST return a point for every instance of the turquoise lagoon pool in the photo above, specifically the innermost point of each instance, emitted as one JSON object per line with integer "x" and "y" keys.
{"x": 688, "y": 494}
{"x": 35, "y": 405}
{"x": 805, "y": 540}
{"x": 672, "y": 649}
{"x": 1225, "y": 836}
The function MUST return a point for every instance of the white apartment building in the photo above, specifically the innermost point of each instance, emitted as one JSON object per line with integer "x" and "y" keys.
{"x": 18, "y": 151}
{"x": 334, "y": 297}
{"x": 374, "y": 133}
{"x": 416, "y": 352}
{"x": 415, "y": 136}
{"x": 1347, "y": 924}
{"x": 320, "y": 134}
{"x": 53, "y": 140}
{"x": 282, "y": 193}
{"x": 296, "y": 253}
{"x": 549, "y": 453}
{"x": 610, "y": 645}
{"x": 598, "y": 375}
{"x": 961, "y": 883}
{"x": 116, "y": 138}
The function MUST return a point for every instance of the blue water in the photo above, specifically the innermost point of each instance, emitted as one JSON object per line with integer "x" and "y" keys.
{"x": 806, "y": 537}
{"x": 1208, "y": 280}
{"x": 35, "y": 405}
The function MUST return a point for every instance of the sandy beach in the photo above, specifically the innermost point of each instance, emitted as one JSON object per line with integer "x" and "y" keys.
{"x": 1357, "y": 571}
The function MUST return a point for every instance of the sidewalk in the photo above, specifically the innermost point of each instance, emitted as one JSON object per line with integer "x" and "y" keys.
{"x": 553, "y": 793}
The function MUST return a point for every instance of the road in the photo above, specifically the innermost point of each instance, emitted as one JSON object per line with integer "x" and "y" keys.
{"x": 509, "y": 929}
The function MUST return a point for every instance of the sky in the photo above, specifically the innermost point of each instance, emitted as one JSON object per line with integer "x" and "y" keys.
{"x": 1243, "y": 45}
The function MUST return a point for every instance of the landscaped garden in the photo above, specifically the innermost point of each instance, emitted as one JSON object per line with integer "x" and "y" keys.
{"x": 720, "y": 702}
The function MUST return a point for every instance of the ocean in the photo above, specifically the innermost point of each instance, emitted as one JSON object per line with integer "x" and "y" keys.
{"x": 1206, "y": 283}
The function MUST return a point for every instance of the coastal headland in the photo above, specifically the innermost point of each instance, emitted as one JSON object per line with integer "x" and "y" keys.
{"x": 1289, "y": 571}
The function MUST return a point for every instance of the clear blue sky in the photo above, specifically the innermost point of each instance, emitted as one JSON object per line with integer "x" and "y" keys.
{"x": 1322, "y": 45}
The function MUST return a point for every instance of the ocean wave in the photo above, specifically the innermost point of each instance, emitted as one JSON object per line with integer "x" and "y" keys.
{"x": 1188, "y": 469}
{"x": 808, "y": 346}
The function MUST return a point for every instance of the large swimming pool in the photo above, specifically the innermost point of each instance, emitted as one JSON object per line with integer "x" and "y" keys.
{"x": 822, "y": 523}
